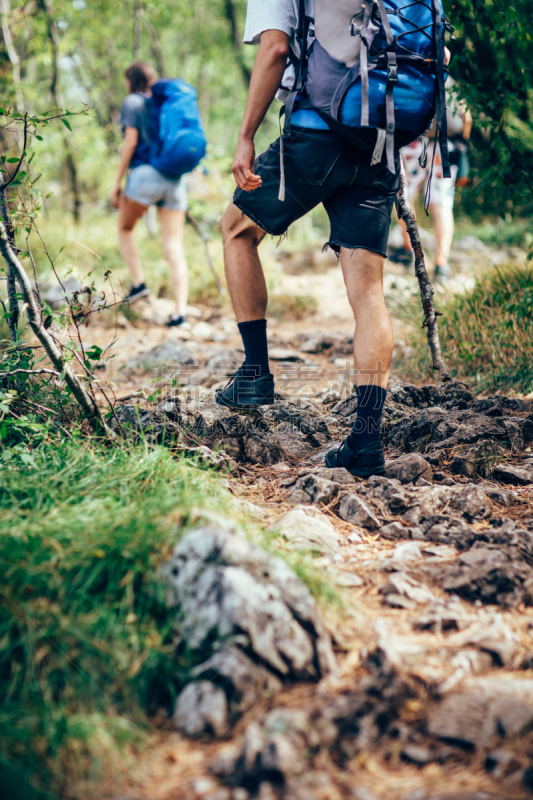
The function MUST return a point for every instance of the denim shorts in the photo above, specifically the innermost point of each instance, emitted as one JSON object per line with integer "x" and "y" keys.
{"x": 147, "y": 186}
{"x": 322, "y": 167}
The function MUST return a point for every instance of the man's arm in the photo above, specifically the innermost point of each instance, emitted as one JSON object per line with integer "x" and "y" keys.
{"x": 267, "y": 73}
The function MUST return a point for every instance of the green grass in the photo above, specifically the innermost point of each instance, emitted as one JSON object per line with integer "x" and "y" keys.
{"x": 86, "y": 640}
{"x": 292, "y": 306}
{"x": 485, "y": 333}
{"x": 91, "y": 247}
{"x": 499, "y": 233}
{"x": 85, "y": 637}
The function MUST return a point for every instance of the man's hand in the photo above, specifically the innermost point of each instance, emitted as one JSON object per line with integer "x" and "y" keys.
{"x": 243, "y": 166}
{"x": 267, "y": 74}
{"x": 115, "y": 195}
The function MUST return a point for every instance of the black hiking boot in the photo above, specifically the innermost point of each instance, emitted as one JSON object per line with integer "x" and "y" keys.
{"x": 136, "y": 293}
{"x": 360, "y": 463}
{"x": 242, "y": 392}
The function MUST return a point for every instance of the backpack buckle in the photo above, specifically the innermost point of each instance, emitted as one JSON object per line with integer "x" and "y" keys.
{"x": 392, "y": 73}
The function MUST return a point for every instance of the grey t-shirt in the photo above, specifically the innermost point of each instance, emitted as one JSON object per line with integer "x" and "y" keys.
{"x": 135, "y": 113}
{"x": 331, "y": 26}
{"x": 279, "y": 15}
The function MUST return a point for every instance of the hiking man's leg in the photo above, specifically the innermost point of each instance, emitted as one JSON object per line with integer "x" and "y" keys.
{"x": 244, "y": 273}
{"x": 362, "y": 453}
{"x": 248, "y": 292}
{"x": 372, "y": 344}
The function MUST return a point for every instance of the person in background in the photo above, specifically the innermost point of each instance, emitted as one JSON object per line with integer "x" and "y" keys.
{"x": 442, "y": 190}
{"x": 146, "y": 186}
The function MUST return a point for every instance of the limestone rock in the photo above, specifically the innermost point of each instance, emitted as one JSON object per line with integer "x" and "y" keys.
{"x": 204, "y": 455}
{"x": 171, "y": 354}
{"x": 306, "y": 527}
{"x": 142, "y": 422}
{"x": 477, "y": 459}
{"x": 201, "y": 708}
{"x": 227, "y": 591}
{"x": 354, "y": 510}
{"x": 471, "y": 501}
{"x": 475, "y": 717}
{"x": 399, "y": 583}
{"x": 489, "y": 575}
{"x": 312, "y": 488}
{"x": 244, "y": 681}
{"x": 409, "y": 467}
{"x": 453, "y": 395}
{"x": 508, "y": 473}
{"x": 411, "y": 432}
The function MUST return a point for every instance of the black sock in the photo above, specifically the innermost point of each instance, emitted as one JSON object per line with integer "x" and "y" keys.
{"x": 367, "y": 425}
{"x": 254, "y": 339}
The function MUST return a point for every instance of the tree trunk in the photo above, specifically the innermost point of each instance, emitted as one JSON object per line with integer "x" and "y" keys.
{"x": 13, "y": 318}
{"x": 55, "y": 91}
{"x": 12, "y": 53}
{"x": 157, "y": 50}
{"x": 231, "y": 16}
{"x": 137, "y": 30}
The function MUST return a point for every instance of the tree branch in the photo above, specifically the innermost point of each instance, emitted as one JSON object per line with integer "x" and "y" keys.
{"x": 13, "y": 318}
{"x": 405, "y": 212}
{"x": 87, "y": 404}
{"x": 29, "y": 372}
{"x": 205, "y": 239}
{"x": 231, "y": 16}
{"x": 55, "y": 91}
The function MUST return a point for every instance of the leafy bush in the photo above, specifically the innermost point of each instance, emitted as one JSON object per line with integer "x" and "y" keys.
{"x": 486, "y": 333}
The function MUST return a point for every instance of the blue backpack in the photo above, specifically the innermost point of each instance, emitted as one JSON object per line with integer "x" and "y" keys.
{"x": 178, "y": 138}
{"x": 390, "y": 96}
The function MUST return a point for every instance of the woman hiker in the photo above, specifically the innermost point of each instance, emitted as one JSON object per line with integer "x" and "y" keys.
{"x": 146, "y": 186}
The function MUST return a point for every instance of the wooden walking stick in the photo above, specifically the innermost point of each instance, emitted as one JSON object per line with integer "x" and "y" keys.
{"x": 405, "y": 212}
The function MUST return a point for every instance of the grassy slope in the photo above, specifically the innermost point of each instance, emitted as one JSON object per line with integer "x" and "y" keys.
{"x": 85, "y": 638}
{"x": 485, "y": 333}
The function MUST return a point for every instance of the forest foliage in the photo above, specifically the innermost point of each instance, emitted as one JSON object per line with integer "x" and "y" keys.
{"x": 69, "y": 52}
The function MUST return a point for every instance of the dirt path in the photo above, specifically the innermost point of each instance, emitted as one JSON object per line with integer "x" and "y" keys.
{"x": 433, "y": 562}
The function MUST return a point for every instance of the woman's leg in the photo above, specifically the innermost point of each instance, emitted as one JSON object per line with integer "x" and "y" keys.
{"x": 172, "y": 223}
{"x": 130, "y": 211}
{"x": 443, "y": 226}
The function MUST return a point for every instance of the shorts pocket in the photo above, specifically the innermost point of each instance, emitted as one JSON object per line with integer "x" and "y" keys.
{"x": 387, "y": 181}
{"x": 310, "y": 158}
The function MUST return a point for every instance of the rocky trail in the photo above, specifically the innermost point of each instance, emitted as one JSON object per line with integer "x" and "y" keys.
{"x": 417, "y": 682}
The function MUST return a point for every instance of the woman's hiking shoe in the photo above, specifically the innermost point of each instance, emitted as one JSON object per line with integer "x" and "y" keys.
{"x": 136, "y": 293}
{"x": 443, "y": 273}
{"x": 360, "y": 463}
{"x": 402, "y": 256}
{"x": 241, "y": 392}
{"x": 179, "y": 321}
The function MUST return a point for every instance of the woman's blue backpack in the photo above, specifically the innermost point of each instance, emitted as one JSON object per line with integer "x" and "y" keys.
{"x": 390, "y": 96}
{"x": 178, "y": 138}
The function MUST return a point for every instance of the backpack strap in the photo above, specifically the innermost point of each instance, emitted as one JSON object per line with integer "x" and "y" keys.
{"x": 301, "y": 71}
{"x": 357, "y": 30}
{"x": 441, "y": 93}
{"x": 392, "y": 80}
